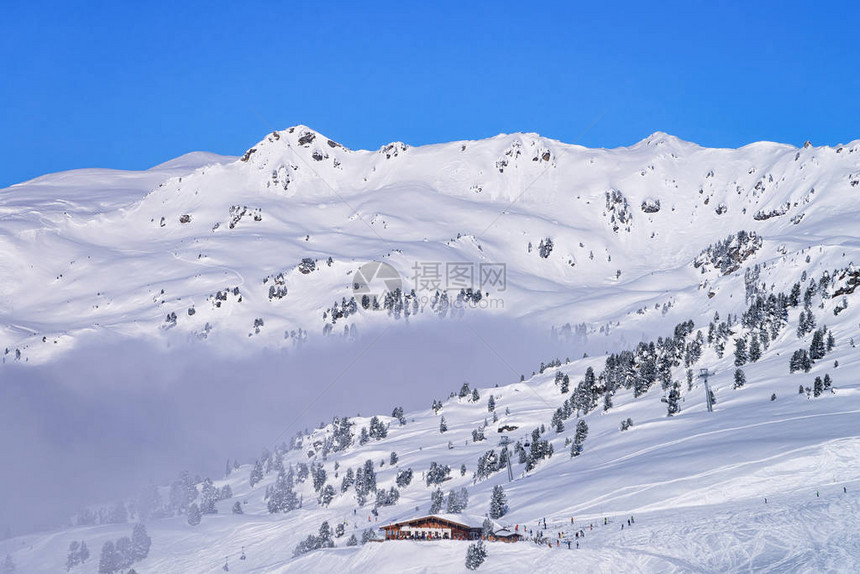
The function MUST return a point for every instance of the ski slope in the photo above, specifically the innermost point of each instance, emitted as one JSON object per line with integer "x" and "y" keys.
{"x": 88, "y": 253}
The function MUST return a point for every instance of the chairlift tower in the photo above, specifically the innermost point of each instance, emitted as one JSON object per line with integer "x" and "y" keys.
{"x": 704, "y": 374}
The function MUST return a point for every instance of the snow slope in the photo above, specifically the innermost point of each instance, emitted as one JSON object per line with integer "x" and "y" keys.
{"x": 696, "y": 482}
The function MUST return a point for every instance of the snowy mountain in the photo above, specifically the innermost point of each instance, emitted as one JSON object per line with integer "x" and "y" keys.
{"x": 592, "y": 241}
{"x": 655, "y": 261}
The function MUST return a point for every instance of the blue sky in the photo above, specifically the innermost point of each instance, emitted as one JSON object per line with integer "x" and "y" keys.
{"x": 129, "y": 85}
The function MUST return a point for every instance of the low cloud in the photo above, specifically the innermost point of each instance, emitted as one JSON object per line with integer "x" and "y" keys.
{"x": 101, "y": 423}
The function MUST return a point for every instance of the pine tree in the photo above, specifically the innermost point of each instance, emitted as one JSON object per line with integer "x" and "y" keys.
{"x": 740, "y": 379}
{"x": 325, "y": 536}
{"x": 741, "y": 356}
{"x": 475, "y": 396}
{"x": 353, "y": 541}
{"x": 464, "y": 390}
{"x": 558, "y": 421}
{"x": 443, "y": 426}
{"x": 140, "y": 542}
{"x": 208, "y": 497}
{"x": 194, "y": 514}
{"x": 674, "y": 400}
{"x": 74, "y": 557}
{"x": 475, "y": 555}
{"x": 109, "y": 561}
{"x": 436, "y": 500}
{"x": 755, "y": 349}
{"x": 817, "y": 387}
{"x": 817, "y": 349}
{"x": 498, "y": 503}
{"x": 491, "y": 404}
{"x": 256, "y": 473}
{"x": 237, "y": 508}
{"x": 579, "y": 438}
{"x": 827, "y": 382}
{"x": 124, "y": 552}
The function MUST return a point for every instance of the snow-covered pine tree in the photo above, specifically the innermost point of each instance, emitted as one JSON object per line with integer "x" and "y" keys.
{"x": 109, "y": 560}
{"x": 579, "y": 438}
{"x": 443, "y": 426}
{"x": 237, "y": 508}
{"x": 140, "y": 542}
{"x": 754, "y": 349}
{"x": 193, "y": 514}
{"x": 208, "y": 497}
{"x": 498, "y": 502}
{"x": 436, "y": 500}
{"x": 741, "y": 356}
{"x": 256, "y": 473}
{"x": 674, "y": 399}
{"x": 740, "y": 378}
{"x": 475, "y": 555}
{"x": 491, "y": 404}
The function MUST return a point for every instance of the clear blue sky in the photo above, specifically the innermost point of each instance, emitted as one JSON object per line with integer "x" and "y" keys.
{"x": 131, "y": 84}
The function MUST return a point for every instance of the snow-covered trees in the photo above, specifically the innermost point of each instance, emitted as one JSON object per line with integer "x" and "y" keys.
{"x": 237, "y": 508}
{"x": 318, "y": 475}
{"x": 323, "y": 539}
{"x": 342, "y": 434}
{"x": 457, "y": 501}
{"x": 387, "y": 497}
{"x": 539, "y": 450}
{"x": 140, "y": 542}
{"x": 209, "y": 495}
{"x": 365, "y": 482}
{"x": 398, "y": 414}
{"x": 109, "y": 560}
{"x": 436, "y": 500}
{"x": 348, "y": 480}
{"x": 78, "y": 554}
{"x": 378, "y": 430}
{"x": 327, "y": 495}
{"x": 437, "y": 473}
{"x": 443, "y": 426}
{"x": 282, "y": 497}
{"x": 488, "y": 463}
{"x": 579, "y": 438}
{"x": 256, "y": 473}
{"x": 404, "y": 477}
{"x": 741, "y": 355}
{"x": 475, "y": 555}
{"x": 800, "y": 361}
{"x": 740, "y": 379}
{"x": 498, "y": 503}
{"x": 464, "y": 391}
{"x": 193, "y": 514}
{"x": 673, "y": 400}
{"x": 491, "y": 404}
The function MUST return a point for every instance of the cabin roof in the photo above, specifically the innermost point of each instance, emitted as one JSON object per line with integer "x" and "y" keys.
{"x": 462, "y": 520}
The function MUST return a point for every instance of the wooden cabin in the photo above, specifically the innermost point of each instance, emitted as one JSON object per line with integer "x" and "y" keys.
{"x": 435, "y": 527}
{"x": 504, "y": 535}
